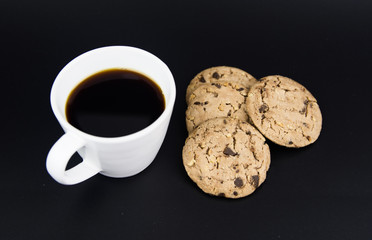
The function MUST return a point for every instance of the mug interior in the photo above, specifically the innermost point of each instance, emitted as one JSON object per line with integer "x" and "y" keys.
{"x": 94, "y": 61}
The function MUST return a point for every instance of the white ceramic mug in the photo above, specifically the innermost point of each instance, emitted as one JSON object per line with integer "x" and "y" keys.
{"x": 114, "y": 157}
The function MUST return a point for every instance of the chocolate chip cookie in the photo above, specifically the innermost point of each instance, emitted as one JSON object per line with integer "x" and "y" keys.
{"x": 211, "y": 100}
{"x": 284, "y": 111}
{"x": 226, "y": 157}
{"x": 220, "y": 74}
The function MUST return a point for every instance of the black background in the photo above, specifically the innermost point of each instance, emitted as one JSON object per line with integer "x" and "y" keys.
{"x": 323, "y": 191}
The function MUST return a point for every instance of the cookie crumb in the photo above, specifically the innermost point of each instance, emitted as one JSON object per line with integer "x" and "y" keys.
{"x": 221, "y": 108}
{"x": 191, "y": 163}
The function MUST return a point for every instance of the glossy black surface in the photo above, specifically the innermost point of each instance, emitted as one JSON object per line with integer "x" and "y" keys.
{"x": 114, "y": 103}
{"x": 323, "y": 191}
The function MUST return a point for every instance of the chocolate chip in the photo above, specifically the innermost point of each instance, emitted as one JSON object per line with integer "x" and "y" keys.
{"x": 255, "y": 180}
{"x": 235, "y": 193}
{"x": 221, "y": 194}
{"x": 197, "y": 103}
{"x": 202, "y": 79}
{"x": 206, "y": 102}
{"x": 216, "y": 75}
{"x": 262, "y": 90}
{"x": 238, "y": 182}
{"x": 240, "y": 89}
{"x": 264, "y": 108}
{"x": 248, "y": 132}
{"x": 224, "y": 121}
{"x": 237, "y": 171}
{"x": 290, "y": 142}
{"x": 229, "y": 113}
{"x": 217, "y": 85}
{"x": 229, "y": 152}
{"x": 303, "y": 110}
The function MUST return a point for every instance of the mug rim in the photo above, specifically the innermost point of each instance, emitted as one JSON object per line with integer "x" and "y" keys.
{"x": 70, "y": 128}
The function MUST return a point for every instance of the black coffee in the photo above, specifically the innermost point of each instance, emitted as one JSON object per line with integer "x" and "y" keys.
{"x": 114, "y": 103}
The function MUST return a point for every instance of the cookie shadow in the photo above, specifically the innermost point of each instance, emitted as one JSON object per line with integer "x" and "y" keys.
{"x": 280, "y": 152}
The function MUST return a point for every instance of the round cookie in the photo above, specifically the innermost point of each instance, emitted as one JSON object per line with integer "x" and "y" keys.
{"x": 213, "y": 100}
{"x": 220, "y": 74}
{"x": 226, "y": 157}
{"x": 284, "y": 111}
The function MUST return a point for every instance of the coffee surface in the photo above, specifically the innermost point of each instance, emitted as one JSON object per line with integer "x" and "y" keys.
{"x": 114, "y": 103}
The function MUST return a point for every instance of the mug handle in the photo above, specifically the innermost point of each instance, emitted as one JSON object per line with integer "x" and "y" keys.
{"x": 61, "y": 153}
